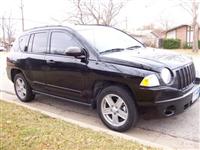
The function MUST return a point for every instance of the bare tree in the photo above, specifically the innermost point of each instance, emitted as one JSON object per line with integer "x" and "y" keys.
{"x": 3, "y": 28}
{"x": 150, "y": 26}
{"x": 110, "y": 12}
{"x": 192, "y": 8}
{"x": 96, "y": 12}
{"x": 165, "y": 23}
{"x": 9, "y": 31}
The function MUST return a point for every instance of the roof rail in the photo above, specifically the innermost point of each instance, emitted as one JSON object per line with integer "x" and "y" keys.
{"x": 46, "y": 26}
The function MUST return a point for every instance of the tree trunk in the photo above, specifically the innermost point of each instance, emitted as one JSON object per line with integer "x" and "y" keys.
{"x": 195, "y": 38}
{"x": 195, "y": 27}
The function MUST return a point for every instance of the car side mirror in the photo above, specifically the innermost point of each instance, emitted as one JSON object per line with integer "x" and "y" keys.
{"x": 74, "y": 51}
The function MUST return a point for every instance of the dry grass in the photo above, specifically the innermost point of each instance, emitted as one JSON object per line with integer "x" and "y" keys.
{"x": 23, "y": 129}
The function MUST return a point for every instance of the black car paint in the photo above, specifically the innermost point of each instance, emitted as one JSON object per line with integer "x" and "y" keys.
{"x": 70, "y": 78}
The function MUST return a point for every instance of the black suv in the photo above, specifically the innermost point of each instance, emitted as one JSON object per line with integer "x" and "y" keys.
{"x": 102, "y": 67}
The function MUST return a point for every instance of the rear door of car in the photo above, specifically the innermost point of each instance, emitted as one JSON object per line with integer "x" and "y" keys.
{"x": 35, "y": 59}
{"x": 65, "y": 75}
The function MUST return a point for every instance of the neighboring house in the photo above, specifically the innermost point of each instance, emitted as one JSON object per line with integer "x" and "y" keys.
{"x": 182, "y": 32}
{"x": 148, "y": 37}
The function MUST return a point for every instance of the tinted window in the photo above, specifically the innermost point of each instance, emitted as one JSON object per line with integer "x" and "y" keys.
{"x": 60, "y": 41}
{"x": 23, "y": 41}
{"x": 39, "y": 43}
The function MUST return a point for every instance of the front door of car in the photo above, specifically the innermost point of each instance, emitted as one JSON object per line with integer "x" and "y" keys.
{"x": 65, "y": 75}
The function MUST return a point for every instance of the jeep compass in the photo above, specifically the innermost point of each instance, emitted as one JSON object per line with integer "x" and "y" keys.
{"x": 104, "y": 68}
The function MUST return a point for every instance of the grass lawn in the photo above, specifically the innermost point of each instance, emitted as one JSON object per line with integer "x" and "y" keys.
{"x": 24, "y": 129}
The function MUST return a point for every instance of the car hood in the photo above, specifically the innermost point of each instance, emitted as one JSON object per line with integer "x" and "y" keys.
{"x": 148, "y": 58}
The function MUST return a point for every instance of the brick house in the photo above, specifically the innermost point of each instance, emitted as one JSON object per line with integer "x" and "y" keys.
{"x": 148, "y": 37}
{"x": 182, "y": 32}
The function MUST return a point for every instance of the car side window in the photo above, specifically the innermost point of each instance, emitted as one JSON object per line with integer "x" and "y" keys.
{"x": 23, "y": 42}
{"x": 39, "y": 42}
{"x": 60, "y": 41}
{"x": 30, "y": 44}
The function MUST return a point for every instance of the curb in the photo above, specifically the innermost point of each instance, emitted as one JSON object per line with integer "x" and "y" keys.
{"x": 7, "y": 92}
{"x": 85, "y": 125}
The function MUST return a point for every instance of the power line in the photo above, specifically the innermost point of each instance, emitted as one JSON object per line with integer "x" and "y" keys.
{"x": 20, "y": 19}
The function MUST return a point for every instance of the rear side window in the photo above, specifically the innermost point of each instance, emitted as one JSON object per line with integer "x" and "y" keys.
{"x": 39, "y": 43}
{"x": 23, "y": 42}
{"x": 60, "y": 41}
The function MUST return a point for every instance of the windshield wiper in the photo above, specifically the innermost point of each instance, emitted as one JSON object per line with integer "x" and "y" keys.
{"x": 134, "y": 47}
{"x": 112, "y": 50}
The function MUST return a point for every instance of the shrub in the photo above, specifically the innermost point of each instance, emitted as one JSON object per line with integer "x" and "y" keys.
{"x": 186, "y": 46}
{"x": 171, "y": 43}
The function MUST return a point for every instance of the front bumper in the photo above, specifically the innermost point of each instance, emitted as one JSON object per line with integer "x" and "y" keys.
{"x": 169, "y": 101}
{"x": 177, "y": 105}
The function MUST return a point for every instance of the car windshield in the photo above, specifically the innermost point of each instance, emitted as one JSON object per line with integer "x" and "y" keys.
{"x": 106, "y": 39}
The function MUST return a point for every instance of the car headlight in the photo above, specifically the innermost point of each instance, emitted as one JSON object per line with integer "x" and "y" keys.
{"x": 166, "y": 75}
{"x": 150, "y": 81}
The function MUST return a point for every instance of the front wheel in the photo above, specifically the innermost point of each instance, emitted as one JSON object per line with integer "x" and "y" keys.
{"x": 116, "y": 108}
{"x": 22, "y": 88}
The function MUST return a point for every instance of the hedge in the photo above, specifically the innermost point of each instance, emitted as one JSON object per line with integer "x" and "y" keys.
{"x": 186, "y": 46}
{"x": 171, "y": 43}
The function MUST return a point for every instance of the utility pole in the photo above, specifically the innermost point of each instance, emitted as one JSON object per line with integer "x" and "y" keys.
{"x": 22, "y": 14}
{"x": 3, "y": 29}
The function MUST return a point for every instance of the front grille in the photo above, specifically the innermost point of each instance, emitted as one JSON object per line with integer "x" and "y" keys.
{"x": 185, "y": 76}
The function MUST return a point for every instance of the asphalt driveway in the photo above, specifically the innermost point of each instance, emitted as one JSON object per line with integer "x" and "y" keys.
{"x": 179, "y": 131}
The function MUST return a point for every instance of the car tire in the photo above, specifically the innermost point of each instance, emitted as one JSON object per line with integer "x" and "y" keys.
{"x": 22, "y": 88}
{"x": 116, "y": 108}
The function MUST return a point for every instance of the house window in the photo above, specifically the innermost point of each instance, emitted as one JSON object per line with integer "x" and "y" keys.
{"x": 171, "y": 34}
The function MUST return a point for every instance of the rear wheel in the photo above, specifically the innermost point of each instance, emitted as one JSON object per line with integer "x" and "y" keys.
{"x": 116, "y": 108}
{"x": 22, "y": 88}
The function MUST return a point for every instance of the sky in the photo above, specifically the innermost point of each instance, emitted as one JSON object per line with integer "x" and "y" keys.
{"x": 134, "y": 15}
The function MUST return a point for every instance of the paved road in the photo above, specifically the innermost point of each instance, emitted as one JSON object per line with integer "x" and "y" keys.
{"x": 178, "y": 131}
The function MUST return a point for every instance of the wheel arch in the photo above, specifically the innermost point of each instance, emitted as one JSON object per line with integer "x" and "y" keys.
{"x": 100, "y": 85}
{"x": 14, "y": 72}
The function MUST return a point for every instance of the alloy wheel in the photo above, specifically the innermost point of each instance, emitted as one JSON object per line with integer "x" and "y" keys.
{"x": 114, "y": 110}
{"x": 20, "y": 88}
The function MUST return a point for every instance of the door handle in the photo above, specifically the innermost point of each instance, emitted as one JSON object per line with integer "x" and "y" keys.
{"x": 50, "y": 61}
